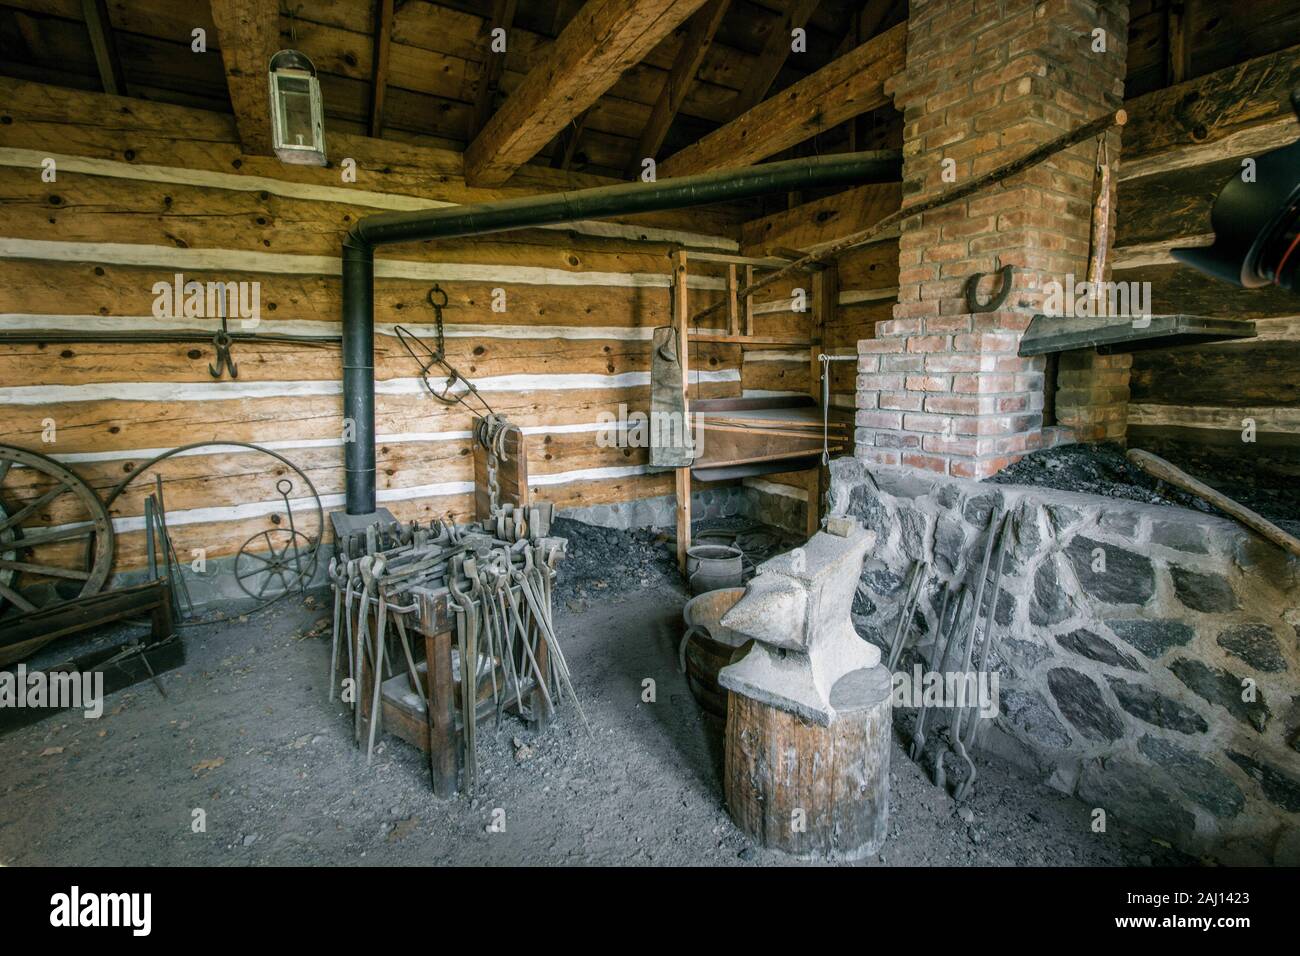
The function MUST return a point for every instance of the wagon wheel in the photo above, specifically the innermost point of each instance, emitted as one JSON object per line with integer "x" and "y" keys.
{"x": 44, "y": 510}
{"x": 283, "y": 562}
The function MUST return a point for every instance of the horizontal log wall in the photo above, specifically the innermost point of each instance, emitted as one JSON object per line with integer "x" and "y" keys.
{"x": 144, "y": 192}
{"x": 867, "y": 279}
{"x": 1197, "y": 404}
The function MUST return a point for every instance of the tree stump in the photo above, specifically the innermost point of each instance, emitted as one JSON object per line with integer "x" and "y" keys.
{"x": 809, "y": 789}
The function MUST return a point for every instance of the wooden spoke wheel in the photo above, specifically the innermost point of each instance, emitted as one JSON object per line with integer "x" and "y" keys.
{"x": 56, "y": 538}
{"x": 275, "y": 562}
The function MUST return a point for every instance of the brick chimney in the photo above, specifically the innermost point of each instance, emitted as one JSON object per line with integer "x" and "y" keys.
{"x": 940, "y": 387}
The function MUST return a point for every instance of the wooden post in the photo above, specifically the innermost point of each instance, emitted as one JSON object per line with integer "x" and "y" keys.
{"x": 825, "y": 294}
{"x": 812, "y": 514}
{"x": 444, "y": 742}
{"x": 733, "y": 302}
{"x": 681, "y": 318}
{"x": 537, "y": 704}
{"x": 749, "y": 301}
{"x": 811, "y": 790}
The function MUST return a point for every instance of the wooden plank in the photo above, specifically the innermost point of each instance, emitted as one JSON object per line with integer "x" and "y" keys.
{"x": 494, "y": 64}
{"x": 104, "y": 46}
{"x": 603, "y": 39}
{"x": 852, "y": 85}
{"x": 379, "y": 79}
{"x": 1210, "y": 115}
{"x": 690, "y": 55}
{"x": 826, "y": 293}
{"x": 1247, "y": 374}
{"x": 249, "y": 34}
{"x": 1178, "y": 53}
{"x": 822, "y": 220}
{"x": 776, "y": 49}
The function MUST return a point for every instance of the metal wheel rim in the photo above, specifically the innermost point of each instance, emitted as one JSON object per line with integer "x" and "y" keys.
{"x": 292, "y": 574}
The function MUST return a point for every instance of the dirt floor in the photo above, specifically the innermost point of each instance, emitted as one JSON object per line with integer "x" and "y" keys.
{"x": 247, "y": 735}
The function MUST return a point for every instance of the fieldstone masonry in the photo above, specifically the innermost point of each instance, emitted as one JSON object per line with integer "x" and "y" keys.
{"x": 1160, "y": 685}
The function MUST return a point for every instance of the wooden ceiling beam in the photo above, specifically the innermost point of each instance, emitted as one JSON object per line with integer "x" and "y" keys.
{"x": 379, "y": 79}
{"x": 699, "y": 37}
{"x": 603, "y": 39}
{"x": 849, "y": 86}
{"x": 494, "y": 65}
{"x": 111, "y": 76}
{"x": 1239, "y": 111}
{"x": 776, "y": 49}
{"x": 249, "y": 35}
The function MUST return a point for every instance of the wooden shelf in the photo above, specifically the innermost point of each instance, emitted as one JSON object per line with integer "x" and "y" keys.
{"x": 1047, "y": 333}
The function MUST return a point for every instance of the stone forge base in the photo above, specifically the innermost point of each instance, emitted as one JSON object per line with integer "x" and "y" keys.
{"x": 807, "y": 789}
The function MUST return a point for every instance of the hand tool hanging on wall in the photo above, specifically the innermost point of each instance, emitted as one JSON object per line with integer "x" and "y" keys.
{"x": 436, "y": 357}
{"x": 222, "y": 341}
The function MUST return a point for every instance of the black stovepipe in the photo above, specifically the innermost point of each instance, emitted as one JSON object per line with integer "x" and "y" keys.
{"x": 542, "y": 210}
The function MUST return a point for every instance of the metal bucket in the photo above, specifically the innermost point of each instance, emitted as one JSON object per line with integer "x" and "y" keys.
{"x": 713, "y": 566}
{"x": 707, "y": 646}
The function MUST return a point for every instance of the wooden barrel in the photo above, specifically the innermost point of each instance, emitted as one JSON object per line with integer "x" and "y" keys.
{"x": 704, "y": 655}
{"x": 808, "y": 789}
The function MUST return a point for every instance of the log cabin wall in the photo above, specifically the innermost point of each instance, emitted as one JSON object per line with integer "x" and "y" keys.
{"x": 865, "y": 281}
{"x": 146, "y": 191}
{"x": 1197, "y": 405}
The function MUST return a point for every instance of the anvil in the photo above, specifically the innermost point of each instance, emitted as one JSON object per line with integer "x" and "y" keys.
{"x": 796, "y": 610}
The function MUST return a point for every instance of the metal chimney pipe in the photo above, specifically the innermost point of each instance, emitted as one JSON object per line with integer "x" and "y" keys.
{"x": 844, "y": 169}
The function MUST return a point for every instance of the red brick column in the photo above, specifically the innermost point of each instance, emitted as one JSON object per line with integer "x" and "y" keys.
{"x": 939, "y": 387}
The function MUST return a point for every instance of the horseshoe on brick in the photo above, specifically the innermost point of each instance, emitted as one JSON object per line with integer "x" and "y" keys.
{"x": 995, "y": 301}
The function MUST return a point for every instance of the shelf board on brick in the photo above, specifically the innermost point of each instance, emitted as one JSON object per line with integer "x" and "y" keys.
{"x": 1047, "y": 333}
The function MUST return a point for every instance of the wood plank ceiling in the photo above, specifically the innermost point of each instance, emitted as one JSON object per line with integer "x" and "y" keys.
{"x": 419, "y": 71}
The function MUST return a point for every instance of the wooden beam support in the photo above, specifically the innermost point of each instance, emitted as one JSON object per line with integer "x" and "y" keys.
{"x": 104, "y": 47}
{"x": 494, "y": 65}
{"x": 604, "y": 39}
{"x": 379, "y": 81}
{"x": 852, "y": 85}
{"x": 1179, "y": 48}
{"x": 823, "y": 220}
{"x": 699, "y": 36}
{"x": 764, "y": 69}
{"x": 866, "y": 24}
{"x": 1231, "y": 113}
{"x": 249, "y": 35}
{"x": 682, "y": 319}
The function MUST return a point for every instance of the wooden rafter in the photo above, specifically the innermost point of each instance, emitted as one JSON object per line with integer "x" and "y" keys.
{"x": 104, "y": 47}
{"x": 849, "y": 86}
{"x": 604, "y": 39}
{"x": 379, "y": 80}
{"x": 699, "y": 36}
{"x": 1178, "y": 50}
{"x": 249, "y": 34}
{"x": 566, "y": 144}
{"x": 762, "y": 72}
{"x": 494, "y": 64}
{"x": 865, "y": 24}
